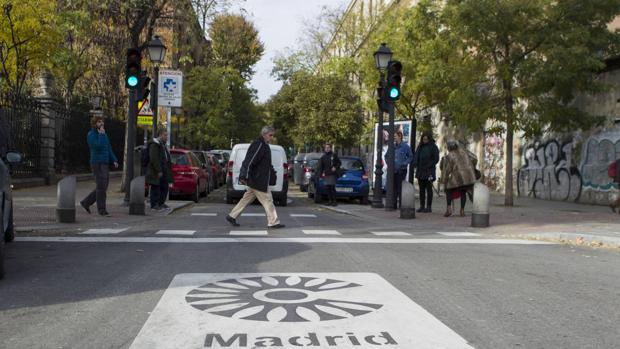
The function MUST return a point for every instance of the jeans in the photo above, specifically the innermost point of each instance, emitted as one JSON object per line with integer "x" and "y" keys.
{"x": 426, "y": 193}
{"x": 102, "y": 179}
{"x": 331, "y": 193}
{"x": 159, "y": 193}
{"x": 399, "y": 177}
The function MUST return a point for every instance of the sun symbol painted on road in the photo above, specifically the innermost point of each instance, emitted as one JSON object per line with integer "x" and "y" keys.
{"x": 277, "y": 299}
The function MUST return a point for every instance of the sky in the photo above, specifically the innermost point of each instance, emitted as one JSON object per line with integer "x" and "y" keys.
{"x": 279, "y": 23}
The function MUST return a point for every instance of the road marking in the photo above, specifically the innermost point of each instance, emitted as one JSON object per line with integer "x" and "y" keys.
{"x": 304, "y": 240}
{"x": 205, "y": 214}
{"x": 458, "y": 234}
{"x": 301, "y": 215}
{"x": 287, "y": 310}
{"x": 248, "y": 232}
{"x": 175, "y": 232}
{"x": 390, "y": 233}
{"x": 253, "y": 215}
{"x": 103, "y": 231}
{"x": 321, "y": 232}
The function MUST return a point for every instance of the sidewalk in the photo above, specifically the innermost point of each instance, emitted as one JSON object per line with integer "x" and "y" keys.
{"x": 35, "y": 209}
{"x": 529, "y": 218}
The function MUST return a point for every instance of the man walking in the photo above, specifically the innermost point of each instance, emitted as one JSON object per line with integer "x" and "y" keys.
{"x": 159, "y": 170}
{"x": 329, "y": 164}
{"x": 258, "y": 173}
{"x": 101, "y": 155}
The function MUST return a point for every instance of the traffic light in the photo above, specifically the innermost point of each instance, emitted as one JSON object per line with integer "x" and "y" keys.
{"x": 133, "y": 68}
{"x": 144, "y": 87}
{"x": 392, "y": 91}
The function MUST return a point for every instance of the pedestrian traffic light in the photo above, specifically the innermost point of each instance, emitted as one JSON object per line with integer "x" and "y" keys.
{"x": 393, "y": 80}
{"x": 144, "y": 87}
{"x": 132, "y": 68}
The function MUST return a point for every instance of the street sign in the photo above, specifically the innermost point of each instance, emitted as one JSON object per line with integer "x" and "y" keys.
{"x": 170, "y": 92}
{"x": 145, "y": 120}
{"x": 145, "y": 108}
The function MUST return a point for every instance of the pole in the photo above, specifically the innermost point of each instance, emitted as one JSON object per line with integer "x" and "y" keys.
{"x": 377, "y": 195}
{"x": 154, "y": 101}
{"x": 131, "y": 139}
{"x": 169, "y": 125}
{"x": 390, "y": 203}
{"x": 146, "y": 131}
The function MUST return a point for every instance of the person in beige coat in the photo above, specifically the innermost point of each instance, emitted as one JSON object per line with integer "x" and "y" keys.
{"x": 458, "y": 176}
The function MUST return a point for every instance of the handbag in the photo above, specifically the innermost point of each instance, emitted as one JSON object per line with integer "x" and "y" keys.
{"x": 273, "y": 176}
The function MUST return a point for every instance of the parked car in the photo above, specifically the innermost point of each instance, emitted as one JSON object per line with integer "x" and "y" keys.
{"x": 310, "y": 160}
{"x": 222, "y": 159}
{"x": 218, "y": 170}
{"x": 7, "y": 227}
{"x": 298, "y": 168}
{"x": 353, "y": 184}
{"x": 235, "y": 190}
{"x": 206, "y": 165}
{"x": 190, "y": 178}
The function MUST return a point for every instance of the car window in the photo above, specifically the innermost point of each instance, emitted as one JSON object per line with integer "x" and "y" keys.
{"x": 179, "y": 159}
{"x": 352, "y": 164}
{"x": 195, "y": 160}
{"x": 200, "y": 156}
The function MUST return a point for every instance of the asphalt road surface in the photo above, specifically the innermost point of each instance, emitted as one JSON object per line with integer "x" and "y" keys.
{"x": 328, "y": 280}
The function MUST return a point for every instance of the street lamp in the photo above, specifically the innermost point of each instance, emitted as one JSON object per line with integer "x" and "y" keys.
{"x": 157, "y": 53}
{"x": 382, "y": 57}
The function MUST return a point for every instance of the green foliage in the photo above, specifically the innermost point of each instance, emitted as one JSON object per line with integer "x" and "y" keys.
{"x": 235, "y": 43}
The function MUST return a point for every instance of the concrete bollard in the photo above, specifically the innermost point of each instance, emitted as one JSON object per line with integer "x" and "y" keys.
{"x": 136, "y": 196}
{"x": 407, "y": 204}
{"x": 65, "y": 197}
{"x": 480, "y": 217}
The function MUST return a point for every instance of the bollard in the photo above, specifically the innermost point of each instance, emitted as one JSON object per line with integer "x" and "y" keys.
{"x": 65, "y": 196}
{"x": 136, "y": 196}
{"x": 407, "y": 201}
{"x": 482, "y": 201}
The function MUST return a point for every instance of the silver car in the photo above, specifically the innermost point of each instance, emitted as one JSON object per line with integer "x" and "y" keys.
{"x": 6, "y": 207}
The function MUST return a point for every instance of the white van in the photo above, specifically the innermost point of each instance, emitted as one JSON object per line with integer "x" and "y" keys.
{"x": 235, "y": 190}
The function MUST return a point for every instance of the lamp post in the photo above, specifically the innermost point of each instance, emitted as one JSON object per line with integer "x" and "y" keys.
{"x": 157, "y": 52}
{"x": 382, "y": 57}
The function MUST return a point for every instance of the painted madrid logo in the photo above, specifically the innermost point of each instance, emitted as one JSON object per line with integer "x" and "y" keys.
{"x": 278, "y": 299}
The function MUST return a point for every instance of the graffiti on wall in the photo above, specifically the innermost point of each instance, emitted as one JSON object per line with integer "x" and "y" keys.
{"x": 548, "y": 173}
{"x": 600, "y": 151}
{"x": 494, "y": 163}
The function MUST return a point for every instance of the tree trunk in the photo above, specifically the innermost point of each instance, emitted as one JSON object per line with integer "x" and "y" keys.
{"x": 509, "y": 105}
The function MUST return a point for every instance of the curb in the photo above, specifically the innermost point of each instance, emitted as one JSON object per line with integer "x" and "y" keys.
{"x": 575, "y": 239}
{"x": 338, "y": 210}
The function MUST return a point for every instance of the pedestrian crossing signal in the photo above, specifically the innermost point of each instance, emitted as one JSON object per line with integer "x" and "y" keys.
{"x": 393, "y": 80}
{"x": 132, "y": 68}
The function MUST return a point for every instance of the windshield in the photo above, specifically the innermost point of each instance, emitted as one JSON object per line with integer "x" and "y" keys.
{"x": 352, "y": 164}
{"x": 179, "y": 159}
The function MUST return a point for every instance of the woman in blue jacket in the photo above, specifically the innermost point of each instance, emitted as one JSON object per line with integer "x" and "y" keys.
{"x": 101, "y": 156}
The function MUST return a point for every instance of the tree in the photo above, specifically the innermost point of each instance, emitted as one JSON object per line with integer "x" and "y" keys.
{"x": 235, "y": 43}
{"x": 28, "y": 36}
{"x": 526, "y": 61}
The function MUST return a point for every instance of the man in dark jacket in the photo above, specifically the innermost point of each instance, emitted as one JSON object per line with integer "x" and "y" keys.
{"x": 403, "y": 157}
{"x": 328, "y": 166}
{"x": 256, "y": 172}
{"x": 425, "y": 162}
{"x": 159, "y": 170}
{"x": 101, "y": 155}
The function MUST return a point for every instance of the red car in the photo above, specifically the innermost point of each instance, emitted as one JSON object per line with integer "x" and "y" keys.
{"x": 220, "y": 173}
{"x": 190, "y": 178}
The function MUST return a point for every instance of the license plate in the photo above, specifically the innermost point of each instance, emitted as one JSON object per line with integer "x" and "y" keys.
{"x": 344, "y": 190}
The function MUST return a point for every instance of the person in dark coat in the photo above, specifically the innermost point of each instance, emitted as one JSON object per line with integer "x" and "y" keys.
{"x": 159, "y": 170}
{"x": 101, "y": 156}
{"x": 328, "y": 166}
{"x": 257, "y": 173}
{"x": 425, "y": 161}
{"x": 458, "y": 175}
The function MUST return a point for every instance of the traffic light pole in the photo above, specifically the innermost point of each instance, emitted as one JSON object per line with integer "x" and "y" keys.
{"x": 377, "y": 196}
{"x": 131, "y": 139}
{"x": 154, "y": 101}
{"x": 390, "y": 202}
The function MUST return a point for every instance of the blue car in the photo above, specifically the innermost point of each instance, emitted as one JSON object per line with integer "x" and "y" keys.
{"x": 353, "y": 184}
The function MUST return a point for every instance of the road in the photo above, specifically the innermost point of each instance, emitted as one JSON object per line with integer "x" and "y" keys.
{"x": 328, "y": 280}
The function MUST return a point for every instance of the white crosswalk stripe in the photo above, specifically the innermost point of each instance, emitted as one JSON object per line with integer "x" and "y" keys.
{"x": 103, "y": 231}
{"x": 390, "y": 233}
{"x": 175, "y": 232}
{"x": 205, "y": 214}
{"x": 248, "y": 232}
{"x": 253, "y": 215}
{"x": 321, "y": 232}
{"x": 301, "y": 215}
{"x": 457, "y": 234}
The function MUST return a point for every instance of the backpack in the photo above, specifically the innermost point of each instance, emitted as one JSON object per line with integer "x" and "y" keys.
{"x": 611, "y": 170}
{"x": 144, "y": 156}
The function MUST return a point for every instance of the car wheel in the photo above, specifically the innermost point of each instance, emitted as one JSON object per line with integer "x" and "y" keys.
{"x": 282, "y": 202}
{"x": 9, "y": 235}
{"x": 196, "y": 195}
{"x": 364, "y": 200}
{"x": 310, "y": 192}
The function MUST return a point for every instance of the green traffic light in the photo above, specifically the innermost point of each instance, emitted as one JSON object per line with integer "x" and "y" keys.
{"x": 394, "y": 93}
{"x": 132, "y": 81}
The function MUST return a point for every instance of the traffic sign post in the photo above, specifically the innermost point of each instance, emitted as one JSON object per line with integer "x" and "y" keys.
{"x": 170, "y": 88}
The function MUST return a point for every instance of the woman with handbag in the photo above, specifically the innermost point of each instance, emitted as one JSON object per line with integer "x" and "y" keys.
{"x": 329, "y": 167}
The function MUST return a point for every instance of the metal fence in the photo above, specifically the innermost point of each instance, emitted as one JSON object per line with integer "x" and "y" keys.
{"x": 21, "y": 116}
